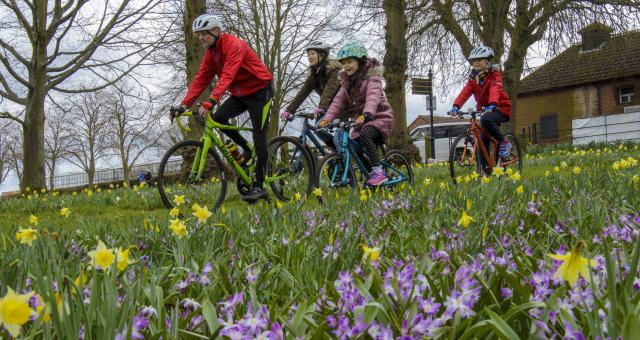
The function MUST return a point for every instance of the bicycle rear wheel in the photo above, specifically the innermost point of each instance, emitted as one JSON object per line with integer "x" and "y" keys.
{"x": 398, "y": 168}
{"x": 516, "y": 156}
{"x": 176, "y": 181}
{"x": 462, "y": 158}
{"x": 289, "y": 168}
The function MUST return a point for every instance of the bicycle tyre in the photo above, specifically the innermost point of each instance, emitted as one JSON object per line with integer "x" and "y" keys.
{"x": 462, "y": 161}
{"x": 216, "y": 168}
{"x": 280, "y": 160}
{"x": 397, "y": 158}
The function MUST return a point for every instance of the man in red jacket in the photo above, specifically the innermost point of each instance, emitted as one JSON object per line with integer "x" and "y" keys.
{"x": 485, "y": 83}
{"x": 241, "y": 72}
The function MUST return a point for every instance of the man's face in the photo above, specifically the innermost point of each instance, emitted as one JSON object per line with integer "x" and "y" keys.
{"x": 208, "y": 38}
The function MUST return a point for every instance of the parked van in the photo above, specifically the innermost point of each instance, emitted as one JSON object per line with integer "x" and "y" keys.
{"x": 444, "y": 134}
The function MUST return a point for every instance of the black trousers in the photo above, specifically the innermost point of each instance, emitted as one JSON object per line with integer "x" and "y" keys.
{"x": 258, "y": 105}
{"x": 491, "y": 121}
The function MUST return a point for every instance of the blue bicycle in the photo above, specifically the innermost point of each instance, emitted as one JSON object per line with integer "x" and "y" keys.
{"x": 349, "y": 166}
{"x": 308, "y": 133}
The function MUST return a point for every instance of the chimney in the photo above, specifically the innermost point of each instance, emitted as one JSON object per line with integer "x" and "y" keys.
{"x": 594, "y": 35}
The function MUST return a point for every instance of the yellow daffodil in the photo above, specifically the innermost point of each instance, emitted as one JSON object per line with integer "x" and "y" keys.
{"x": 520, "y": 189}
{"x": 202, "y": 213}
{"x": 65, "y": 212}
{"x": 317, "y": 192}
{"x": 371, "y": 253}
{"x": 102, "y": 257}
{"x": 576, "y": 170}
{"x": 174, "y": 212}
{"x": 178, "y": 200}
{"x": 427, "y": 181}
{"x": 465, "y": 220}
{"x": 297, "y": 196}
{"x": 123, "y": 259}
{"x": 363, "y": 195}
{"x": 178, "y": 228}
{"x": 486, "y": 180}
{"x": 33, "y": 219}
{"x": 573, "y": 264}
{"x": 515, "y": 176}
{"x": 26, "y": 235}
{"x": 14, "y": 311}
{"x": 498, "y": 171}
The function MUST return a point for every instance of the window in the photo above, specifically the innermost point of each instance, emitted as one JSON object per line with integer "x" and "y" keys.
{"x": 626, "y": 94}
{"x": 549, "y": 126}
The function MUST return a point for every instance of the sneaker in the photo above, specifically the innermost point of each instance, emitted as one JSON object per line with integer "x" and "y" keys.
{"x": 505, "y": 149}
{"x": 254, "y": 195}
{"x": 377, "y": 177}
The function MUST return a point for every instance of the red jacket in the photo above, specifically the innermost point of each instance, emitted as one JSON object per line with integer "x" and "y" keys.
{"x": 238, "y": 67}
{"x": 491, "y": 91}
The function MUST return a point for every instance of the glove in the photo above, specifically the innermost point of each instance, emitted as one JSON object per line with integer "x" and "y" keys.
{"x": 454, "y": 111}
{"x": 207, "y": 106}
{"x": 490, "y": 107}
{"x": 175, "y": 112}
{"x": 323, "y": 123}
{"x": 286, "y": 115}
{"x": 318, "y": 112}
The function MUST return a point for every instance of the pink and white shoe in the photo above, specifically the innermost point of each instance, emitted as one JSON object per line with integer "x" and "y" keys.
{"x": 377, "y": 177}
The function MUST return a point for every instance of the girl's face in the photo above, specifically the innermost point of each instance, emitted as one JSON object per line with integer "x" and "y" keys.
{"x": 350, "y": 65}
{"x": 314, "y": 57}
{"x": 480, "y": 64}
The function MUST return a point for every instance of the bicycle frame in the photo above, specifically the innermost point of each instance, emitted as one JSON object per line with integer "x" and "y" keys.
{"x": 307, "y": 134}
{"x": 208, "y": 138}
{"x": 352, "y": 149}
{"x": 477, "y": 131}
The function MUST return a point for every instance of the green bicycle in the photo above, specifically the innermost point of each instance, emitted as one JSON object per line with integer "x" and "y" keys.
{"x": 192, "y": 171}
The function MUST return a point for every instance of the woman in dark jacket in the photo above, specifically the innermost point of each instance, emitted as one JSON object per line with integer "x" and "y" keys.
{"x": 323, "y": 79}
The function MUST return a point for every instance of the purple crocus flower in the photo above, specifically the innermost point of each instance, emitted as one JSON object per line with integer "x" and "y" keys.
{"x": 533, "y": 208}
{"x": 429, "y": 306}
{"x": 506, "y": 293}
{"x": 571, "y": 334}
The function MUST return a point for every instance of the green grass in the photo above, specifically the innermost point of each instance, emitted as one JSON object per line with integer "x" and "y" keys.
{"x": 297, "y": 251}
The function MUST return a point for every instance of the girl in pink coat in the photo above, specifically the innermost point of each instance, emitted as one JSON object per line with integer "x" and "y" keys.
{"x": 361, "y": 95}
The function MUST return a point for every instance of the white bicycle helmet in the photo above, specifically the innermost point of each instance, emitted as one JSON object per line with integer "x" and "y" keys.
{"x": 206, "y": 22}
{"x": 481, "y": 52}
{"x": 318, "y": 46}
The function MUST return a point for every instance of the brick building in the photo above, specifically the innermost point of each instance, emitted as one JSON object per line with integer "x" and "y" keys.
{"x": 600, "y": 76}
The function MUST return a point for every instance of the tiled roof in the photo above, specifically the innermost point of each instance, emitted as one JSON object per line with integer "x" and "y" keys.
{"x": 424, "y": 120}
{"x": 617, "y": 58}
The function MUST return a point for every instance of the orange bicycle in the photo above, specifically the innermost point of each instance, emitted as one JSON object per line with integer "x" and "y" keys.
{"x": 468, "y": 152}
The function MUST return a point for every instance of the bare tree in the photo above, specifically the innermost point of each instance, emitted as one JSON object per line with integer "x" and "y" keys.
{"x": 13, "y": 144}
{"x": 47, "y": 44}
{"x": 57, "y": 141}
{"x": 87, "y": 124}
{"x": 5, "y": 155}
{"x": 132, "y": 127}
{"x": 278, "y": 30}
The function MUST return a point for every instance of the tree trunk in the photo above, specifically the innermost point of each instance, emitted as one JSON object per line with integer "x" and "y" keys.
{"x": 195, "y": 51}
{"x": 52, "y": 172}
{"x": 511, "y": 74}
{"x": 395, "y": 68}
{"x": 33, "y": 162}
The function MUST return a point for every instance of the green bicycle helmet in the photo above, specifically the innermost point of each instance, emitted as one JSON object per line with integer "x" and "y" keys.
{"x": 352, "y": 50}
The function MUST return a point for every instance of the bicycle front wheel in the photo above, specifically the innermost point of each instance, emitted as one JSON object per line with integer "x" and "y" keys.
{"x": 398, "y": 168}
{"x": 179, "y": 183}
{"x": 334, "y": 176}
{"x": 462, "y": 158}
{"x": 289, "y": 168}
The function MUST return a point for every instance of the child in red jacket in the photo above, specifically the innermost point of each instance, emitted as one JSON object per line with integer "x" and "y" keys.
{"x": 485, "y": 83}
